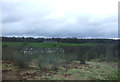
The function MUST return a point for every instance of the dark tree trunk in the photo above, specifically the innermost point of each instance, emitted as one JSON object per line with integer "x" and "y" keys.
{"x": 81, "y": 53}
{"x": 82, "y": 61}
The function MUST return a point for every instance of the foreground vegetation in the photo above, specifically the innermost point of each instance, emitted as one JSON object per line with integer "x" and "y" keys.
{"x": 76, "y": 71}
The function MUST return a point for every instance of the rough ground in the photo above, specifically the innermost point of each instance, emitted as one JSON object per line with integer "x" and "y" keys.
{"x": 73, "y": 71}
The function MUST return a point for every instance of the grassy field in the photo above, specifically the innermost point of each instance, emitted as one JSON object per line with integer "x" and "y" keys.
{"x": 46, "y": 45}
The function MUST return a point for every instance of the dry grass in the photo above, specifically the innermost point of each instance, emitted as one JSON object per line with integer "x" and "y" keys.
{"x": 76, "y": 71}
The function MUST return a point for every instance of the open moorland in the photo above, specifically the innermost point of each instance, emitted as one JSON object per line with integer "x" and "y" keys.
{"x": 59, "y": 61}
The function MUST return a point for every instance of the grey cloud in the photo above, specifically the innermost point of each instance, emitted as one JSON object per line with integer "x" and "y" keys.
{"x": 10, "y": 19}
{"x": 10, "y": 13}
{"x": 20, "y": 21}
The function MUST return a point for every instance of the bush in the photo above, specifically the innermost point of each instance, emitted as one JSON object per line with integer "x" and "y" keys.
{"x": 22, "y": 60}
{"x": 8, "y": 53}
{"x": 49, "y": 60}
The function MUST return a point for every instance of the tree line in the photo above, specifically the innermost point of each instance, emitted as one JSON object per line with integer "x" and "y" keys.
{"x": 62, "y": 40}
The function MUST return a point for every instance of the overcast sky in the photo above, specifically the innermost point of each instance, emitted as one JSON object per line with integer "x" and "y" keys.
{"x": 61, "y": 18}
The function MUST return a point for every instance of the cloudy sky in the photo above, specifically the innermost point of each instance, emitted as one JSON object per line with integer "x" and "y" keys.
{"x": 61, "y": 18}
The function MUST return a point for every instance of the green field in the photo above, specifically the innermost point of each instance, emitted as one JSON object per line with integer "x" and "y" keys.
{"x": 45, "y": 45}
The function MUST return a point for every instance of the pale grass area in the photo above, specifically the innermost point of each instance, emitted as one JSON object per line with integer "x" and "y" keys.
{"x": 95, "y": 70}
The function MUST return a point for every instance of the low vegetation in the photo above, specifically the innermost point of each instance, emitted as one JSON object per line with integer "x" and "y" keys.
{"x": 76, "y": 71}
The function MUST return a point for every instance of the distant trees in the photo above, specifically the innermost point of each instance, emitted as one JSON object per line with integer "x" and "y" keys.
{"x": 62, "y": 40}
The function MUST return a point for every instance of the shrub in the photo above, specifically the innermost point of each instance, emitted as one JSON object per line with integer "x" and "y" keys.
{"x": 7, "y": 53}
{"x": 22, "y": 60}
{"x": 49, "y": 60}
